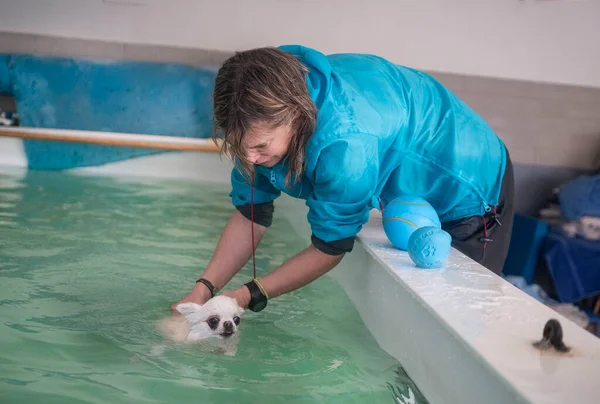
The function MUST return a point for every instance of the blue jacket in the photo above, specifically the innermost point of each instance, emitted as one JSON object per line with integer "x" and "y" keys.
{"x": 383, "y": 130}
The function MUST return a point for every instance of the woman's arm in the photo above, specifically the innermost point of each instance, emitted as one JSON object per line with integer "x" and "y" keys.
{"x": 233, "y": 250}
{"x": 298, "y": 271}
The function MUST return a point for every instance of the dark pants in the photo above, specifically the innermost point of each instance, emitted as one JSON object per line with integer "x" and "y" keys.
{"x": 482, "y": 238}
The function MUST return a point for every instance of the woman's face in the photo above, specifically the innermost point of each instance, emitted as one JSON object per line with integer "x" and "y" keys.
{"x": 266, "y": 146}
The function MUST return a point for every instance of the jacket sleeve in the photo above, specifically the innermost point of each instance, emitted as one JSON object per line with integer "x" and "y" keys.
{"x": 345, "y": 179}
{"x": 264, "y": 195}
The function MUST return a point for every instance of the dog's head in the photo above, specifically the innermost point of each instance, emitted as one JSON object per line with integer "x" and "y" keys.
{"x": 218, "y": 317}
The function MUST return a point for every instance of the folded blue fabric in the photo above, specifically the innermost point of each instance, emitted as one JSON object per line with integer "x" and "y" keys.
{"x": 581, "y": 197}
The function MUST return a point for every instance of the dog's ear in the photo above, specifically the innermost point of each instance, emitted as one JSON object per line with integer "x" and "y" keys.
{"x": 188, "y": 309}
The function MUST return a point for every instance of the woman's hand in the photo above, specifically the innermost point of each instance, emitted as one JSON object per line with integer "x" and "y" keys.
{"x": 200, "y": 295}
{"x": 233, "y": 250}
{"x": 242, "y": 295}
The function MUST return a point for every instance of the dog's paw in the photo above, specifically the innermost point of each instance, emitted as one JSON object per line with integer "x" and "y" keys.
{"x": 228, "y": 351}
{"x": 157, "y": 350}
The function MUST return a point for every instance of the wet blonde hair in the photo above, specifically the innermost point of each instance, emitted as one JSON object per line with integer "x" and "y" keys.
{"x": 264, "y": 86}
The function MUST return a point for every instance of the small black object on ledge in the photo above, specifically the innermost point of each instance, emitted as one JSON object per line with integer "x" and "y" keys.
{"x": 552, "y": 337}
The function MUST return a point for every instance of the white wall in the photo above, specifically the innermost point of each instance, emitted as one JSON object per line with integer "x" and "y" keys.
{"x": 554, "y": 41}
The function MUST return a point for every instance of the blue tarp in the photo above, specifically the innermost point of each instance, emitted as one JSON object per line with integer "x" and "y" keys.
{"x": 105, "y": 95}
{"x": 5, "y": 87}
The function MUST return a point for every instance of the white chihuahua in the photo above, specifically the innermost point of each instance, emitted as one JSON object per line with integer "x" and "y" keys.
{"x": 214, "y": 324}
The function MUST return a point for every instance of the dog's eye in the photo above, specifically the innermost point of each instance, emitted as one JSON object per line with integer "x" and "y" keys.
{"x": 236, "y": 320}
{"x": 213, "y": 322}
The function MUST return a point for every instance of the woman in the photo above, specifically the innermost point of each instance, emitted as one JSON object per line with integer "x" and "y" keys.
{"x": 347, "y": 132}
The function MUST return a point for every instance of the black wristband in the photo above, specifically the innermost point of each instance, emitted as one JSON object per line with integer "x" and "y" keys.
{"x": 209, "y": 285}
{"x": 258, "y": 300}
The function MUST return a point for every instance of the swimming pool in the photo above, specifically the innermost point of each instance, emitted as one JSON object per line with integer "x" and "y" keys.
{"x": 87, "y": 265}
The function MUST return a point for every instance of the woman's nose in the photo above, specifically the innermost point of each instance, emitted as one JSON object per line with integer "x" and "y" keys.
{"x": 252, "y": 157}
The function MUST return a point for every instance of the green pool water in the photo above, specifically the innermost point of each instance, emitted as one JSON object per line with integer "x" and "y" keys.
{"x": 87, "y": 264}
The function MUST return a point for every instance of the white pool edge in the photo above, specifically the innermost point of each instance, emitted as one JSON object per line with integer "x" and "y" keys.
{"x": 463, "y": 334}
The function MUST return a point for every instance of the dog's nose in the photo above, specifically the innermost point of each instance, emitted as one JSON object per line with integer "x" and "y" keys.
{"x": 228, "y": 325}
